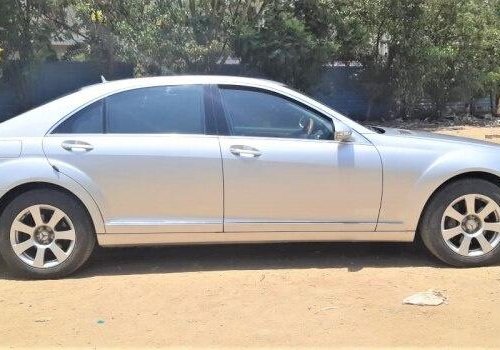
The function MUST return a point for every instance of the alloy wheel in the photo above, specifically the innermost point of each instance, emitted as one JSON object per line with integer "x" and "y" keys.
{"x": 470, "y": 225}
{"x": 42, "y": 236}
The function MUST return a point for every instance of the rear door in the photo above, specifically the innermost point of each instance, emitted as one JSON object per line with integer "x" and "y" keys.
{"x": 284, "y": 172}
{"x": 149, "y": 158}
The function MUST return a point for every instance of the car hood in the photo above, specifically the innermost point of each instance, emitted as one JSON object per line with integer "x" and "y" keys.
{"x": 430, "y": 136}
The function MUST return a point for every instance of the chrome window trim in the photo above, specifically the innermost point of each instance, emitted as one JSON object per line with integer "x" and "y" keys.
{"x": 357, "y": 140}
{"x": 322, "y": 113}
{"x": 280, "y": 92}
{"x": 229, "y": 121}
{"x": 108, "y": 94}
{"x": 278, "y": 89}
{"x": 135, "y": 135}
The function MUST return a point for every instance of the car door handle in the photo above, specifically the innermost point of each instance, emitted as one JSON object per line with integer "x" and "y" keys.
{"x": 245, "y": 151}
{"x": 77, "y": 146}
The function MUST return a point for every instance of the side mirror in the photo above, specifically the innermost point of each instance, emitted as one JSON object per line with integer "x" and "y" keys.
{"x": 342, "y": 133}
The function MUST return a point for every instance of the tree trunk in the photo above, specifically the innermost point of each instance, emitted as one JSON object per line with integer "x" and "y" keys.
{"x": 471, "y": 112}
{"x": 439, "y": 109}
{"x": 492, "y": 102}
{"x": 369, "y": 108}
{"x": 497, "y": 105}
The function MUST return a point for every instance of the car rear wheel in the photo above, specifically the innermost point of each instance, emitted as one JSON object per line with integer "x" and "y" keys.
{"x": 45, "y": 234}
{"x": 461, "y": 225}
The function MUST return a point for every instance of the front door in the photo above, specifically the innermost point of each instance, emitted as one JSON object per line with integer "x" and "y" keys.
{"x": 147, "y": 158}
{"x": 284, "y": 172}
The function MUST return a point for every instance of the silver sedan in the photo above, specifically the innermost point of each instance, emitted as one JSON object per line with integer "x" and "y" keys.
{"x": 206, "y": 159}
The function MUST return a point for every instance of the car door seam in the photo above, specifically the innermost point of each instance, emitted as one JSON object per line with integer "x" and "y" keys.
{"x": 47, "y": 159}
{"x": 223, "y": 187}
{"x": 381, "y": 188}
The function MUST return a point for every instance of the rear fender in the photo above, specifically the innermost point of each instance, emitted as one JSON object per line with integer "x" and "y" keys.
{"x": 35, "y": 169}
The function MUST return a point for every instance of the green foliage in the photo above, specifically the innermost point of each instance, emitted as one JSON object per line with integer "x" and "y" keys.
{"x": 286, "y": 44}
{"x": 460, "y": 49}
{"x": 162, "y": 36}
{"x": 26, "y": 28}
{"x": 441, "y": 50}
{"x": 444, "y": 50}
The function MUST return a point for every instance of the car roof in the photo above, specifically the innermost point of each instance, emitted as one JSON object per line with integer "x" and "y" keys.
{"x": 182, "y": 79}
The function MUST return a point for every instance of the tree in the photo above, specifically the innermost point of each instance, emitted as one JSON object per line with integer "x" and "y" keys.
{"x": 362, "y": 30}
{"x": 25, "y": 40}
{"x": 162, "y": 36}
{"x": 407, "y": 50}
{"x": 287, "y": 43}
{"x": 461, "y": 50}
{"x": 439, "y": 49}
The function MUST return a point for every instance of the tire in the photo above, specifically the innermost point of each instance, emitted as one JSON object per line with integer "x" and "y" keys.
{"x": 452, "y": 225}
{"x": 47, "y": 247}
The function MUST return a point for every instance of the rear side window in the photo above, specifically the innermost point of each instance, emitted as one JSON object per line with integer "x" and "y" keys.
{"x": 163, "y": 109}
{"x": 88, "y": 120}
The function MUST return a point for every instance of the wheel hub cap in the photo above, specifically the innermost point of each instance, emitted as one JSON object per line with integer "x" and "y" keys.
{"x": 471, "y": 224}
{"x": 44, "y": 235}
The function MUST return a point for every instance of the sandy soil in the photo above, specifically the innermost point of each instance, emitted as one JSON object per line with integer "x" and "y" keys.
{"x": 491, "y": 134}
{"x": 289, "y": 295}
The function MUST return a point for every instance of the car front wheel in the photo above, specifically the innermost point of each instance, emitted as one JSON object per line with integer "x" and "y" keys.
{"x": 45, "y": 234}
{"x": 461, "y": 225}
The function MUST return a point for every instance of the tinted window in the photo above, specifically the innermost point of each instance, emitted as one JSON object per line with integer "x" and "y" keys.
{"x": 165, "y": 109}
{"x": 86, "y": 121}
{"x": 258, "y": 113}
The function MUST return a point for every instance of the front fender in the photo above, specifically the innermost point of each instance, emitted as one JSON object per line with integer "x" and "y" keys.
{"x": 445, "y": 168}
{"x": 411, "y": 181}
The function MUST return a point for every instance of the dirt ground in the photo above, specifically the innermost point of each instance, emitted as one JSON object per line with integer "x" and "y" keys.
{"x": 288, "y": 295}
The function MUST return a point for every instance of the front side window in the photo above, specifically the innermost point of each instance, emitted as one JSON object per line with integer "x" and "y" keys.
{"x": 163, "y": 109}
{"x": 252, "y": 112}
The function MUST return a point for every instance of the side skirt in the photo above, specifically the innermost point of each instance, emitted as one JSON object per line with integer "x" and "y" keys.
{"x": 139, "y": 239}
